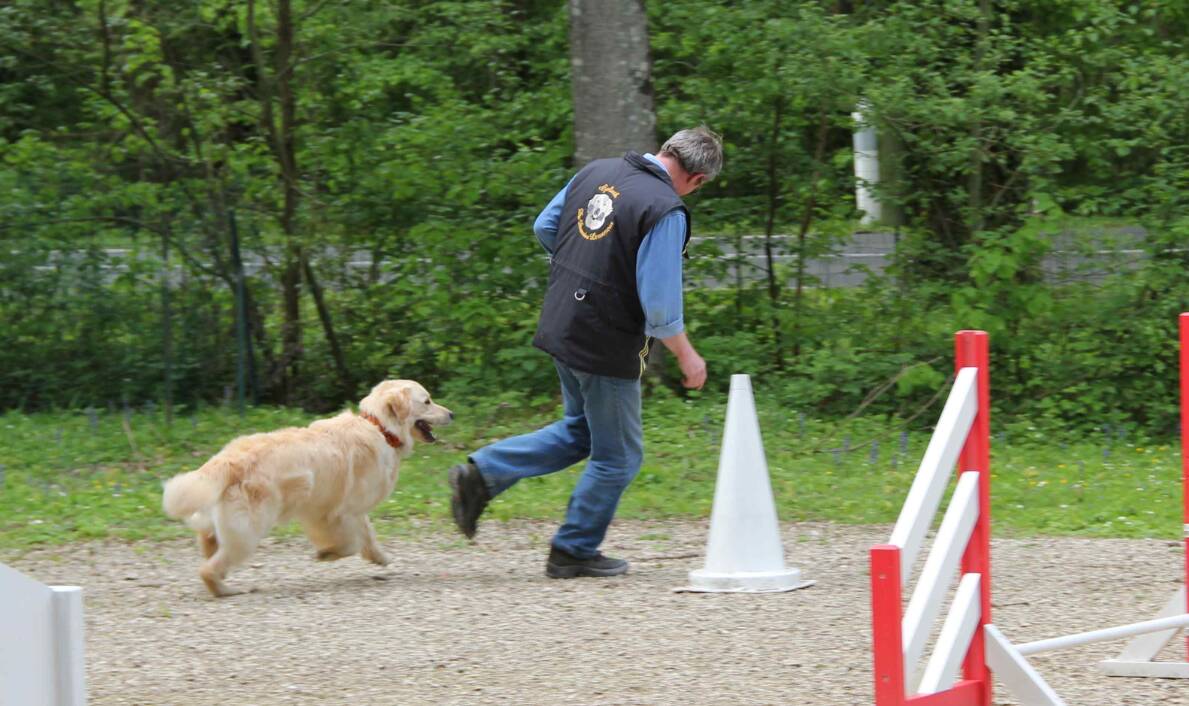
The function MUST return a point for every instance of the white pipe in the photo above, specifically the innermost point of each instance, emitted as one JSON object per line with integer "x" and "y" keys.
{"x": 866, "y": 147}
{"x": 1081, "y": 638}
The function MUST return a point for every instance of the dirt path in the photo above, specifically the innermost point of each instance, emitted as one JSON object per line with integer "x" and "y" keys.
{"x": 456, "y": 623}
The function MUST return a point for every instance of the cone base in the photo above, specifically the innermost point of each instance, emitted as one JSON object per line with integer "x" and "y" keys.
{"x": 703, "y": 581}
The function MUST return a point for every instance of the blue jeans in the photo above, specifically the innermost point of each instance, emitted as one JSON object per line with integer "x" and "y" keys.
{"x": 601, "y": 419}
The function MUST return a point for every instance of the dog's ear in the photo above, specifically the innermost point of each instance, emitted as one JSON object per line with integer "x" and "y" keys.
{"x": 398, "y": 404}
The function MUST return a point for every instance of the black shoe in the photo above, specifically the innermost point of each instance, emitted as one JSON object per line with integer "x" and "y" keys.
{"x": 469, "y": 498}
{"x": 562, "y": 565}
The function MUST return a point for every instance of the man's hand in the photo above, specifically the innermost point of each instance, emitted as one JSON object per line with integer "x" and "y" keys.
{"x": 693, "y": 368}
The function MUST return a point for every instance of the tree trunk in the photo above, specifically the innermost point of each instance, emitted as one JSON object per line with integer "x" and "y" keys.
{"x": 819, "y": 155}
{"x": 611, "y": 79}
{"x": 281, "y": 139}
{"x": 773, "y": 204}
{"x": 166, "y": 331}
{"x": 975, "y": 182}
{"x": 291, "y": 279}
{"x": 891, "y": 176}
{"x": 611, "y": 83}
{"x": 340, "y": 363}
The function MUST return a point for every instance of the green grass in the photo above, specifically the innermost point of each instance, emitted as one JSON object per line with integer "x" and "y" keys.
{"x": 71, "y": 476}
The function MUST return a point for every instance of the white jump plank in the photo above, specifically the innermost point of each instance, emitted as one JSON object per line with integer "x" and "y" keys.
{"x": 1155, "y": 670}
{"x": 942, "y": 563}
{"x": 934, "y": 472}
{"x": 954, "y": 640}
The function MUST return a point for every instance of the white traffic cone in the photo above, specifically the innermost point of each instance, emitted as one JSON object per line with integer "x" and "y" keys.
{"x": 744, "y": 553}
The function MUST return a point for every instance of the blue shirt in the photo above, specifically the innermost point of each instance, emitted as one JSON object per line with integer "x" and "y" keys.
{"x": 658, "y": 264}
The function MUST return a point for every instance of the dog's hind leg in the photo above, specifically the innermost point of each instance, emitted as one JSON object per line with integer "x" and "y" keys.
{"x": 208, "y": 543}
{"x": 236, "y": 535}
{"x": 216, "y": 568}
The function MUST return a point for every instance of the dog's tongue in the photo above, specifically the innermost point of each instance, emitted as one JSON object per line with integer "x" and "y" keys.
{"x": 425, "y": 429}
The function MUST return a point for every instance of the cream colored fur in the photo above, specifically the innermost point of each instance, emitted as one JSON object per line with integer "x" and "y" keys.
{"x": 327, "y": 476}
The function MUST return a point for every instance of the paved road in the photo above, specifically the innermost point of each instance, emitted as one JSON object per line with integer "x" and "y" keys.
{"x": 1073, "y": 257}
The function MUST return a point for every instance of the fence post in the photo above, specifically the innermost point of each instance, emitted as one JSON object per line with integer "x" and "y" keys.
{"x": 971, "y": 349}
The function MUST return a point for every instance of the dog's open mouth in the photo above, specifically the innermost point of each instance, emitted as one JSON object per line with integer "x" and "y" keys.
{"x": 425, "y": 429}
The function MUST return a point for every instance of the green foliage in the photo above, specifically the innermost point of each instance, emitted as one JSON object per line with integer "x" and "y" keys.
{"x": 98, "y": 475}
{"x": 428, "y": 134}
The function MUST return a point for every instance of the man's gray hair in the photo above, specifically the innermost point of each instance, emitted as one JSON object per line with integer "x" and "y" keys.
{"x": 698, "y": 150}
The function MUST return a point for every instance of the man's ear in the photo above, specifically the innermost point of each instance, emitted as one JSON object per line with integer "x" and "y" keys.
{"x": 398, "y": 404}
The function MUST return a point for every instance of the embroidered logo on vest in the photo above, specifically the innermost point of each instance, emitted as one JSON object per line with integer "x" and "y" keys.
{"x": 596, "y": 213}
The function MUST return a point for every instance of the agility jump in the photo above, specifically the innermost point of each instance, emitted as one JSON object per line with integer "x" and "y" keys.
{"x": 962, "y": 436}
{"x": 899, "y": 640}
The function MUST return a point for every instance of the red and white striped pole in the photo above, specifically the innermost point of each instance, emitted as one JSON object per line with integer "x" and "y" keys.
{"x": 971, "y": 349}
{"x": 1185, "y": 447}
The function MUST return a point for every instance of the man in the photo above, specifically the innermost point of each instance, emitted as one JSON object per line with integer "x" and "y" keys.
{"x": 616, "y": 235}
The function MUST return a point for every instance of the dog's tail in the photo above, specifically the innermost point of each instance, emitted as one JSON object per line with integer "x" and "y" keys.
{"x": 194, "y": 492}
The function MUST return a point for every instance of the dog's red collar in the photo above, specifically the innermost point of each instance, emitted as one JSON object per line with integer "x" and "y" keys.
{"x": 392, "y": 439}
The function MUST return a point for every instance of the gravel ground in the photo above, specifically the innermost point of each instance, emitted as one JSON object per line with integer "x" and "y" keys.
{"x": 450, "y": 622}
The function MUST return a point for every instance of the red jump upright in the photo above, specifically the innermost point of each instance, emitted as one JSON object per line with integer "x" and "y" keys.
{"x": 968, "y": 638}
{"x": 962, "y": 436}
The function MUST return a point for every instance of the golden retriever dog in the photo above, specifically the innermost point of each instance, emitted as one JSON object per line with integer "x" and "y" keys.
{"x": 327, "y": 476}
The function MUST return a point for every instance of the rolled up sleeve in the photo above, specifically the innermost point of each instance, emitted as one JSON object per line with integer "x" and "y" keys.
{"x": 658, "y": 276}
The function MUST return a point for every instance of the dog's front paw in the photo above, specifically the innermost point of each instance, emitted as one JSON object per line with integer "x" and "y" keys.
{"x": 375, "y": 556}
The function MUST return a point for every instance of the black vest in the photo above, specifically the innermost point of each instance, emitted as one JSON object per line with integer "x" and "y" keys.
{"x": 592, "y": 319}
